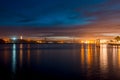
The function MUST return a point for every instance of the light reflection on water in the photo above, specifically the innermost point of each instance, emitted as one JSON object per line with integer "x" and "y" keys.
{"x": 28, "y": 54}
{"x": 14, "y": 58}
{"x": 103, "y": 58}
{"x": 87, "y": 62}
{"x": 21, "y": 54}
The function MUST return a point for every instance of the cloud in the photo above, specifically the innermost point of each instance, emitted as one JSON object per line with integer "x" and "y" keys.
{"x": 80, "y": 18}
{"x": 48, "y": 12}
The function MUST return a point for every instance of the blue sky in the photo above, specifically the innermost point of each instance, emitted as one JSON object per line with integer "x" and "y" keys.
{"x": 75, "y": 16}
{"x": 46, "y": 13}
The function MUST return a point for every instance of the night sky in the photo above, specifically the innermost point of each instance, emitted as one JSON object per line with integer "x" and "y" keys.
{"x": 71, "y": 18}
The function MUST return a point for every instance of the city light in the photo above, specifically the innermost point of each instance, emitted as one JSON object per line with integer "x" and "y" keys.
{"x": 21, "y": 37}
{"x": 14, "y": 38}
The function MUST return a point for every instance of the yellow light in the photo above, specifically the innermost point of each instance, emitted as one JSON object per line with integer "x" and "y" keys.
{"x": 82, "y": 41}
{"x": 39, "y": 41}
{"x": 61, "y": 42}
{"x": 21, "y": 37}
{"x": 103, "y": 41}
{"x": 87, "y": 42}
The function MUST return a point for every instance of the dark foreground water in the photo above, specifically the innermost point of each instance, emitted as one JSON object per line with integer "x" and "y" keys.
{"x": 59, "y": 61}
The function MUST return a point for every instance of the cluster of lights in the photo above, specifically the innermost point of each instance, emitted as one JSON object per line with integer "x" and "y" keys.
{"x": 88, "y": 41}
{"x": 15, "y": 38}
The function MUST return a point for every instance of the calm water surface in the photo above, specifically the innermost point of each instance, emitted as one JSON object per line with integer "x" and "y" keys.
{"x": 83, "y": 62}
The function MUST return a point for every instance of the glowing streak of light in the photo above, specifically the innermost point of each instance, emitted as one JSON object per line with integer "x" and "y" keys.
{"x": 14, "y": 58}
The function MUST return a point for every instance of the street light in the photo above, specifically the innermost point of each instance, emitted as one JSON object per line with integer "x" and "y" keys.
{"x": 14, "y": 39}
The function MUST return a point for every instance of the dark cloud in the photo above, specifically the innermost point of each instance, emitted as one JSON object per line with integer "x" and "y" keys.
{"x": 26, "y": 20}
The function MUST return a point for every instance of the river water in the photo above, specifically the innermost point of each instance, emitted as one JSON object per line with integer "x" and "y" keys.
{"x": 76, "y": 62}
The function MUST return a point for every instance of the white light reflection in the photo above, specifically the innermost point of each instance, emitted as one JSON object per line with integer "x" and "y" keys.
{"x": 14, "y": 58}
{"x": 119, "y": 58}
{"x": 103, "y": 57}
{"x": 115, "y": 56}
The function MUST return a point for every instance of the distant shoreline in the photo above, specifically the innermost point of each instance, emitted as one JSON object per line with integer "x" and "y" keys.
{"x": 47, "y": 43}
